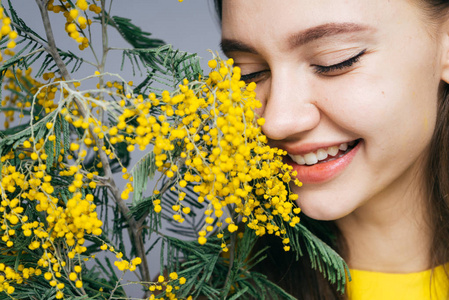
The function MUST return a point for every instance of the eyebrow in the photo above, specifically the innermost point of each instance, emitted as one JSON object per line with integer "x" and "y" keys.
{"x": 231, "y": 45}
{"x": 325, "y": 30}
{"x": 301, "y": 38}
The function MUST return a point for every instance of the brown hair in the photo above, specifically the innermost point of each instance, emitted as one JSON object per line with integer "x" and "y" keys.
{"x": 298, "y": 278}
{"x": 437, "y": 170}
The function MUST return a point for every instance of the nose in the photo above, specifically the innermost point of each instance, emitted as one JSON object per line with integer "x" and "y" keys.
{"x": 290, "y": 107}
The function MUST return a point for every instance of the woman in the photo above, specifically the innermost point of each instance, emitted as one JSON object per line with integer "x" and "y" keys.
{"x": 356, "y": 93}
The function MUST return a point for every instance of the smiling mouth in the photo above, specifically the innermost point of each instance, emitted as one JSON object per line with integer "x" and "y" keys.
{"x": 324, "y": 154}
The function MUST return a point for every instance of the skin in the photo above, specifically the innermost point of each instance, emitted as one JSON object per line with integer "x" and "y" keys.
{"x": 387, "y": 99}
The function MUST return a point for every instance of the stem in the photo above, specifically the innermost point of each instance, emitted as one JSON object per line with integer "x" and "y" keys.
{"x": 232, "y": 253}
{"x": 104, "y": 39}
{"x": 104, "y": 34}
{"x": 134, "y": 229}
{"x": 231, "y": 261}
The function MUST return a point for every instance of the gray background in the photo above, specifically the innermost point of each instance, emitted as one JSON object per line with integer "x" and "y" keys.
{"x": 189, "y": 26}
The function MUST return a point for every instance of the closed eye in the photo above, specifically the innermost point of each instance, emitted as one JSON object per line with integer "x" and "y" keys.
{"x": 255, "y": 76}
{"x": 328, "y": 70}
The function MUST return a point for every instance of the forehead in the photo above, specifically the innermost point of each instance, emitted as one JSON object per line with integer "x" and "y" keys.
{"x": 250, "y": 20}
{"x": 281, "y": 14}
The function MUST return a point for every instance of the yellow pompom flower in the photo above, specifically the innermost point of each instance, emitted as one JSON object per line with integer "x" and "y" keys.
{"x": 74, "y": 13}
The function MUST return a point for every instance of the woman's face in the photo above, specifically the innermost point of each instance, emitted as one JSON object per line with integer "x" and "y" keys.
{"x": 349, "y": 89}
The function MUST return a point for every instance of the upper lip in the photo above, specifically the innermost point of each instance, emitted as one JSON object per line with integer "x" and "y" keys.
{"x": 305, "y": 148}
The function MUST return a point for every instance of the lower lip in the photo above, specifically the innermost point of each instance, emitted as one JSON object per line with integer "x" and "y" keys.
{"x": 325, "y": 171}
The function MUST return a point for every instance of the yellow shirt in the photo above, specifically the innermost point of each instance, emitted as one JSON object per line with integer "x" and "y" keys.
{"x": 366, "y": 285}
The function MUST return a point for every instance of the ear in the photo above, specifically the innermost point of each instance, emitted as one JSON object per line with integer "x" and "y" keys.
{"x": 444, "y": 42}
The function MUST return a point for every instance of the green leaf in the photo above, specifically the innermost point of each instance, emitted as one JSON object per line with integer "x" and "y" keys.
{"x": 144, "y": 169}
{"x": 143, "y": 207}
{"x": 165, "y": 66}
{"x": 50, "y": 152}
{"x": 239, "y": 293}
{"x": 132, "y": 33}
{"x": 322, "y": 256}
{"x": 25, "y": 112}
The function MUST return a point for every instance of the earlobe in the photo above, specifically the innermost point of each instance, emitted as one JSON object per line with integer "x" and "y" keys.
{"x": 445, "y": 54}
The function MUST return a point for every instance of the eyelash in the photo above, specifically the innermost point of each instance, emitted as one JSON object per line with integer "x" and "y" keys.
{"x": 323, "y": 70}
{"x": 248, "y": 77}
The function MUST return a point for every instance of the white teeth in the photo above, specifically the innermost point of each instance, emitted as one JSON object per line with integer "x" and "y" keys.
{"x": 321, "y": 154}
{"x": 332, "y": 150}
{"x": 343, "y": 147}
{"x": 299, "y": 159}
{"x": 310, "y": 158}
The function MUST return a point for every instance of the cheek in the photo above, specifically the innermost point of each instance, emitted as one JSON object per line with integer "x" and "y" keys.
{"x": 354, "y": 104}
{"x": 262, "y": 93}
{"x": 385, "y": 104}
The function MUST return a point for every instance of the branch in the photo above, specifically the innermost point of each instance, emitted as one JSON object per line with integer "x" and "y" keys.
{"x": 104, "y": 33}
{"x": 51, "y": 47}
{"x": 134, "y": 229}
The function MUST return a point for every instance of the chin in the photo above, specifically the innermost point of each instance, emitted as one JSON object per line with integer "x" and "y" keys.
{"x": 323, "y": 210}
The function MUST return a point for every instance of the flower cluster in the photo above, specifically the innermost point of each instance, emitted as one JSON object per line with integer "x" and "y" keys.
{"x": 169, "y": 284}
{"x": 212, "y": 122}
{"x": 76, "y": 19}
{"x": 11, "y": 276}
{"x": 122, "y": 264}
{"x": 66, "y": 217}
{"x": 63, "y": 224}
{"x": 6, "y": 31}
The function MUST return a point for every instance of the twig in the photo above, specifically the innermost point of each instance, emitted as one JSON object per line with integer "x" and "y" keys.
{"x": 38, "y": 40}
{"x": 30, "y": 35}
{"x": 116, "y": 286}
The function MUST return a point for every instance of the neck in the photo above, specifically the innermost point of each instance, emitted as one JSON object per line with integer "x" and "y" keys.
{"x": 390, "y": 232}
